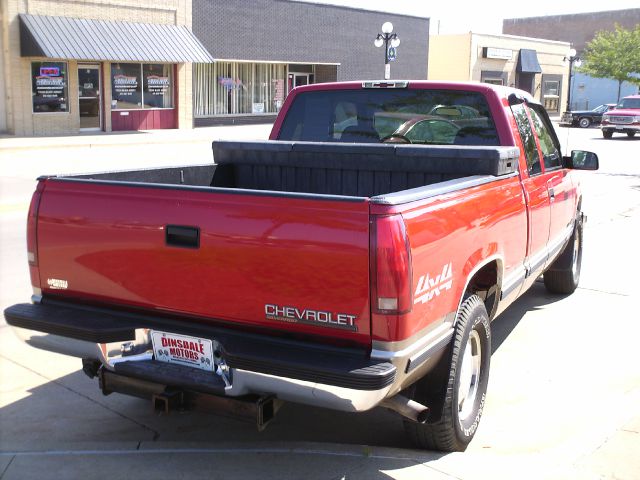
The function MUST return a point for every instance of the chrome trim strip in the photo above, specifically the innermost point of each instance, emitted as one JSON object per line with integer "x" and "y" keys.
{"x": 548, "y": 252}
{"x": 513, "y": 281}
{"x": 420, "y": 357}
{"x": 424, "y": 341}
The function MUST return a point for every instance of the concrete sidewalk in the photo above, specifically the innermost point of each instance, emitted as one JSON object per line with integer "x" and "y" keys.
{"x": 144, "y": 137}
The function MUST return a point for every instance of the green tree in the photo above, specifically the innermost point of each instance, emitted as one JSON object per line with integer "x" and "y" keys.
{"x": 614, "y": 54}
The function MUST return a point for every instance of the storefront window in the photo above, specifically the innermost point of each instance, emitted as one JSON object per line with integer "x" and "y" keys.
{"x": 126, "y": 87}
{"x": 49, "y": 87}
{"x": 158, "y": 87}
{"x": 135, "y": 86}
{"x": 232, "y": 88}
{"x": 551, "y": 94}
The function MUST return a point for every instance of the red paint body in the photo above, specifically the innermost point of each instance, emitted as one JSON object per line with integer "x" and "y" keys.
{"x": 108, "y": 242}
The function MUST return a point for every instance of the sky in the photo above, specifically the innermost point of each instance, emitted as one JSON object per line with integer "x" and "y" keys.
{"x": 481, "y": 16}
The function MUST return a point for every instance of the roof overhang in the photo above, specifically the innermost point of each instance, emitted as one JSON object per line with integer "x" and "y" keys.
{"x": 528, "y": 62}
{"x": 84, "y": 39}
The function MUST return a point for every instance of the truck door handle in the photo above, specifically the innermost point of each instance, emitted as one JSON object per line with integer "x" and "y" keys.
{"x": 182, "y": 236}
{"x": 552, "y": 193}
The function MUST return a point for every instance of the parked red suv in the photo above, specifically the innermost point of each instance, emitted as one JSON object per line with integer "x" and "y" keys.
{"x": 625, "y": 118}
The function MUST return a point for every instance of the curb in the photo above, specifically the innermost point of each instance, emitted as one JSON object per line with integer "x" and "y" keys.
{"x": 111, "y": 139}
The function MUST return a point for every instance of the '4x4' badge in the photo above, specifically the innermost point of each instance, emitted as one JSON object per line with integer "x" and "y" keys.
{"x": 430, "y": 287}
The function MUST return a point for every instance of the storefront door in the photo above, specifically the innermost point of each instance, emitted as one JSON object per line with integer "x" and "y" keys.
{"x": 89, "y": 93}
{"x": 300, "y": 79}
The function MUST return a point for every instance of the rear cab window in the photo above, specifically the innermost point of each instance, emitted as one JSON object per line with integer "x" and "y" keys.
{"x": 441, "y": 117}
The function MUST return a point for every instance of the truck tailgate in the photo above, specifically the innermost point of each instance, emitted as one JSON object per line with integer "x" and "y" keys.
{"x": 295, "y": 263}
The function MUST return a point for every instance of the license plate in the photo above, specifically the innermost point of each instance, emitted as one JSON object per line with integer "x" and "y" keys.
{"x": 621, "y": 127}
{"x": 182, "y": 349}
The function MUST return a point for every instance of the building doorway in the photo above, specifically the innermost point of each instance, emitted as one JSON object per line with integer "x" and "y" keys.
{"x": 526, "y": 82}
{"x": 89, "y": 88}
{"x": 298, "y": 79}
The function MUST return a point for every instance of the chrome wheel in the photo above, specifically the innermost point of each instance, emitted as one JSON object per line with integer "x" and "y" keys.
{"x": 469, "y": 376}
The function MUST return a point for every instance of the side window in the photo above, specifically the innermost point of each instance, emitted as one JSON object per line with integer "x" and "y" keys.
{"x": 550, "y": 152}
{"x": 528, "y": 139}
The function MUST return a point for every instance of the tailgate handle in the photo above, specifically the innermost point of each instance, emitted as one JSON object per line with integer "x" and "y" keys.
{"x": 181, "y": 236}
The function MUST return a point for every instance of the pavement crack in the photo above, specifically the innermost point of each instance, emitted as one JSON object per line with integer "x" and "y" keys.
{"x": 155, "y": 433}
{"x": 604, "y": 292}
{"x": 424, "y": 464}
{"x": 7, "y": 467}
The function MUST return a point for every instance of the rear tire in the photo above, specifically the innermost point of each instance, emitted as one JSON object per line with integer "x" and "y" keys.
{"x": 607, "y": 133}
{"x": 584, "y": 122}
{"x": 461, "y": 401}
{"x": 564, "y": 274}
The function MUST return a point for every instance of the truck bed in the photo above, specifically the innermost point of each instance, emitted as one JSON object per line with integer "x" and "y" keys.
{"x": 353, "y": 170}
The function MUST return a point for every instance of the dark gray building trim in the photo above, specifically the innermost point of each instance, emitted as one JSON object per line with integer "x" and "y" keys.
{"x": 233, "y": 120}
{"x": 528, "y": 62}
{"x": 82, "y": 39}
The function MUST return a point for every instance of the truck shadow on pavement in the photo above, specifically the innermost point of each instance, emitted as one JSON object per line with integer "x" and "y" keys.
{"x": 70, "y": 414}
{"x": 535, "y": 299}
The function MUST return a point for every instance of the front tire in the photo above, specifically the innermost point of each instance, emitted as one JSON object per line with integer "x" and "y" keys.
{"x": 584, "y": 122}
{"x": 464, "y": 392}
{"x": 607, "y": 133}
{"x": 631, "y": 134}
{"x": 564, "y": 274}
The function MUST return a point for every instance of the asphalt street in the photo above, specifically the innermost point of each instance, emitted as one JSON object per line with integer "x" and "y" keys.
{"x": 564, "y": 392}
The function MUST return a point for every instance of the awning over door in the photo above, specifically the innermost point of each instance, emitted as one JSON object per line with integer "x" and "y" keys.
{"x": 82, "y": 39}
{"x": 528, "y": 62}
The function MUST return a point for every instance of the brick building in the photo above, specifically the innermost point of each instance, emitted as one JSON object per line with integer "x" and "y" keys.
{"x": 264, "y": 48}
{"x": 74, "y": 65}
{"x": 578, "y": 29}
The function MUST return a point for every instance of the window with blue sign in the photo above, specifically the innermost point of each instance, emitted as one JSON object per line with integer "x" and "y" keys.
{"x": 49, "y": 87}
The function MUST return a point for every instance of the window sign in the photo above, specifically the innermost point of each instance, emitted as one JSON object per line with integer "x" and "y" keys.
{"x": 498, "y": 53}
{"x": 138, "y": 86}
{"x": 50, "y": 71}
{"x": 230, "y": 83}
{"x": 49, "y": 87}
{"x": 158, "y": 87}
{"x": 126, "y": 88}
{"x": 278, "y": 95}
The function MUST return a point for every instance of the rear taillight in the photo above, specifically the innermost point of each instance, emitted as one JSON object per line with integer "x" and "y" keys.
{"x": 391, "y": 288}
{"x": 32, "y": 226}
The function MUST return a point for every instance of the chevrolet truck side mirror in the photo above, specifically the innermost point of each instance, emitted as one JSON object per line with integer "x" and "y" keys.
{"x": 582, "y": 160}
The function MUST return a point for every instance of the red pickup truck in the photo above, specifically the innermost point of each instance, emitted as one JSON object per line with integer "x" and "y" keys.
{"x": 354, "y": 260}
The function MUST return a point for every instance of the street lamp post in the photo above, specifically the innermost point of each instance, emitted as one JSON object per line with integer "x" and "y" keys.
{"x": 385, "y": 38}
{"x": 572, "y": 58}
